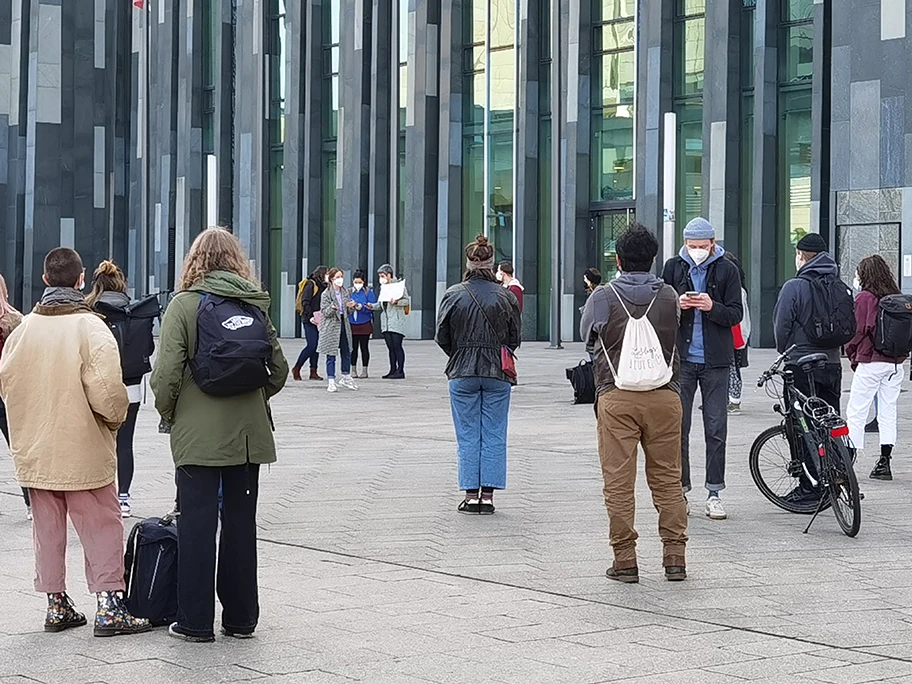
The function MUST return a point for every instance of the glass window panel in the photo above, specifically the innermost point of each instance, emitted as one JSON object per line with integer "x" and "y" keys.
{"x": 473, "y": 187}
{"x": 545, "y": 29}
{"x": 615, "y": 36}
{"x": 612, "y": 154}
{"x": 475, "y": 58}
{"x": 614, "y": 9}
{"x": 501, "y": 194}
{"x": 503, "y": 23}
{"x": 689, "y": 202}
{"x": 335, "y": 16}
{"x": 691, "y": 33}
{"x": 403, "y": 30}
{"x": 799, "y": 57}
{"x": 795, "y": 176}
{"x": 544, "y": 228}
{"x": 747, "y": 48}
{"x": 747, "y": 175}
{"x": 503, "y": 82}
{"x": 329, "y": 207}
{"x": 688, "y": 8}
{"x": 618, "y": 73}
{"x": 334, "y": 59}
{"x": 798, "y": 10}
{"x": 403, "y": 86}
{"x": 477, "y": 20}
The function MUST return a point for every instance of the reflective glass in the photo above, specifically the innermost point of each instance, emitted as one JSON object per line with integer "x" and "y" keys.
{"x": 503, "y": 82}
{"x": 688, "y": 8}
{"x": 403, "y": 30}
{"x": 544, "y": 228}
{"x": 689, "y": 202}
{"x": 799, "y": 56}
{"x": 335, "y": 16}
{"x": 501, "y": 193}
{"x": 329, "y": 207}
{"x": 472, "y": 187}
{"x": 403, "y": 87}
{"x": 503, "y": 23}
{"x": 747, "y": 176}
{"x": 477, "y": 18}
{"x": 798, "y": 10}
{"x": 618, "y": 78}
{"x": 691, "y": 37}
{"x": 612, "y": 154}
{"x": 615, "y": 36}
{"x": 747, "y": 48}
{"x": 614, "y": 9}
{"x": 795, "y": 175}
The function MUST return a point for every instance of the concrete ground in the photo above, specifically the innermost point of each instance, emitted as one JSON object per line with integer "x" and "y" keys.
{"x": 367, "y": 573}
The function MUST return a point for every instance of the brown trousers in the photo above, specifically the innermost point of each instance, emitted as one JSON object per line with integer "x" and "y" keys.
{"x": 653, "y": 419}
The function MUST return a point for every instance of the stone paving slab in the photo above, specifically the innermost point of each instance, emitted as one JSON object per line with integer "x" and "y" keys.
{"x": 368, "y": 574}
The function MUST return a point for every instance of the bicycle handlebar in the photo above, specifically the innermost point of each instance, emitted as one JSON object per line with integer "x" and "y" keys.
{"x": 773, "y": 370}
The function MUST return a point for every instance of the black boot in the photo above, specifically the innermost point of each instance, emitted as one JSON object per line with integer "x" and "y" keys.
{"x": 112, "y": 617}
{"x": 61, "y": 614}
{"x": 882, "y": 468}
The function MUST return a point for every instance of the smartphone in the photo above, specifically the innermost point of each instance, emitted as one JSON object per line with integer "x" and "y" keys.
{"x": 691, "y": 295}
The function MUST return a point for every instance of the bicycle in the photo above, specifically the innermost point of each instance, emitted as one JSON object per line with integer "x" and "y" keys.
{"x": 816, "y": 470}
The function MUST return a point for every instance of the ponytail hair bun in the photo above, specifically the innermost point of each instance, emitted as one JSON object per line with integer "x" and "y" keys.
{"x": 107, "y": 268}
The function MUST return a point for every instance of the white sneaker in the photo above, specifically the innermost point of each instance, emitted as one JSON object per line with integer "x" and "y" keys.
{"x": 714, "y": 509}
{"x": 332, "y": 386}
{"x": 348, "y": 382}
{"x": 28, "y": 513}
{"x": 125, "y": 509}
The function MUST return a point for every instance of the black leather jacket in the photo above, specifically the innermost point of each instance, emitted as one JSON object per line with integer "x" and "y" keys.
{"x": 474, "y": 345}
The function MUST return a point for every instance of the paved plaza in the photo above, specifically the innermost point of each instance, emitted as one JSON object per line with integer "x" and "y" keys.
{"x": 367, "y": 573}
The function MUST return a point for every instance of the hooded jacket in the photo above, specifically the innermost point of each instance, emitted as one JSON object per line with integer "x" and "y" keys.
{"x": 517, "y": 289}
{"x": 207, "y": 430}
{"x": 723, "y": 285}
{"x": 794, "y": 306}
{"x": 473, "y": 339}
{"x": 605, "y": 322}
{"x": 61, "y": 380}
{"x": 861, "y": 348}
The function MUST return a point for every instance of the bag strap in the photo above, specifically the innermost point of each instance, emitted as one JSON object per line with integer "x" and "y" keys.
{"x": 626, "y": 311}
{"x": 129, "y": 556}
{"x": 480, "y": 308}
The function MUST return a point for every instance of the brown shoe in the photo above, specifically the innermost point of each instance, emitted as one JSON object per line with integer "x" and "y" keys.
{"x": 314, "y": 375}
{"x": 296, "y": 373}
{"x": 675, "y": 573}
{"x": 625, "y": 575}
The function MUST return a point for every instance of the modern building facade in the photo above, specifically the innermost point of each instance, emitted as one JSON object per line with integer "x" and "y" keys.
{"x": 360, "y": 132}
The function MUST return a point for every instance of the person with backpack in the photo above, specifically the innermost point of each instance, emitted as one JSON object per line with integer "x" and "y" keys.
{"x": 479, "y": 327}
{"x": 710, "y": 294}
{"x": 335, "y": 330}
{"x": 631, "y": 320}
{"x": 217, "y": 407}
{"x": 307, "y": 305}
{"x": 816, "y": 312}
{"x": 393, "y": 323}
{"x": 882, "y": 341}
{"x": 63, "y": 387}
{"x": 362, "y": 322}
{"x": 10, "y": 319}
{"x": 132, "y": 329}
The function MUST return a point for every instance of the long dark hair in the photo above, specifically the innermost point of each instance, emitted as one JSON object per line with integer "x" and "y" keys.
{"x": 480, "y": 251}
{"x": 876, "y": 277}
{"x": 319, "y": 276}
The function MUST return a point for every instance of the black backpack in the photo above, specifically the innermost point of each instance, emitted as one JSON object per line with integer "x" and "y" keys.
{"x": 582, "y": 377}
{"x": 893, "y": 334}
{"x": 832, "y": 320}
{"x": 232, "y": 347}
{"x": 132, "y": 328}
{"x": 150, "y": 570}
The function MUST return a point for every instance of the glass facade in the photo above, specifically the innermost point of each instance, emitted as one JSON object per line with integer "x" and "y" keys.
{"x": 276, "y": 135}
{"x": 402, "y": 99}
{"x": 687, "y": 90}
{"x": 330, "y": 118}
{"x": 748, "y": 15}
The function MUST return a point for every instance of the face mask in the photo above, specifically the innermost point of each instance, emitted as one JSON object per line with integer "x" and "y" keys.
{"x": 698, "y": 254}
{"x": 798, "y": 262}
{"x": 499, "y": 277}
{"x": 358, "y": 286}
{"x": 339, "y": 282}
{"x": 384, "y": 281}
{"x": 856, "y": 283}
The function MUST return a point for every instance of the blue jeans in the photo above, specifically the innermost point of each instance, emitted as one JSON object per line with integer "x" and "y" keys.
{"x": 309, "y": 353}
{"x": 345, "y": 351}
{"x": 713, "y": 384}
{"x": 481, "y": 409}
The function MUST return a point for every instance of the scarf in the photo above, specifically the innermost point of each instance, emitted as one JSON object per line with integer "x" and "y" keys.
{"x": 62, "y": 296}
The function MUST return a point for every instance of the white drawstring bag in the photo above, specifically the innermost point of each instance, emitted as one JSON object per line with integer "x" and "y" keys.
{"x": 641, "y": 366}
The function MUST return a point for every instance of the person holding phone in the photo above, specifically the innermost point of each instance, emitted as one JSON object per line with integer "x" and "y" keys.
{"x": 710, "y": 295}
{"x": 335, "y": 330}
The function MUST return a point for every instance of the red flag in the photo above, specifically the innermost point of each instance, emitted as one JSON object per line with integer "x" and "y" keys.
{"x": 138, "y": 3}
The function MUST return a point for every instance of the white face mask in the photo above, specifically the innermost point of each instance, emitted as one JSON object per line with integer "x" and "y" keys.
{"x": 798, "y": 262}
{"x": 856, "y": 283}
{"x": 698, "y": 254}
{"x": 358, "y": 286}
{"x": 339, "y": 282}
{"x": 499, "y": 276}
{"x": 384, "y": 280}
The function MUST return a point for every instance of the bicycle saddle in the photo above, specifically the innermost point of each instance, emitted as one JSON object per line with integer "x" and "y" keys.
{"x": 811, "y": 362}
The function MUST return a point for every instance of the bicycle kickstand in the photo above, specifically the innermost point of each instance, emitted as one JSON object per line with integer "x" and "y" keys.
{"x": 817, "y": 512}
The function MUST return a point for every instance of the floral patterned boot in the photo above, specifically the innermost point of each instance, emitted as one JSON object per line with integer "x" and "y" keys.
{"x": 61, "y": 614}
{"x": 113, "y": 618}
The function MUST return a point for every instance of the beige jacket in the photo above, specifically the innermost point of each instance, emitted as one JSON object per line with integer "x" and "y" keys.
{"x": 61, "y": 381}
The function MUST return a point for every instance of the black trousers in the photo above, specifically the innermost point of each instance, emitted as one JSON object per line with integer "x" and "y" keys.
{"x": 396, "y": 352}
{"x": 125, "y": 451}
{"x": 362, "y": 345}
{"x": 828, "y": 382}
{"x": 236, "y": 579}
{"x": 4, "y": 428}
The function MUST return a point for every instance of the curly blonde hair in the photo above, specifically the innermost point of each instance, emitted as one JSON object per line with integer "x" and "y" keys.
{"x": 107, "y": 278}
{"x": 215, "y": 249}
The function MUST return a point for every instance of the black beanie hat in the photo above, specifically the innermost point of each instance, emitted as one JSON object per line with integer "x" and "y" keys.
{"x": 813, "y": 243}
{"x": 593, "y": 276}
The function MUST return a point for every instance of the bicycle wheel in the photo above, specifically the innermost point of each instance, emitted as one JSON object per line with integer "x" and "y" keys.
{"x": 843, "y": 487}
{"x": 777, "y": 474}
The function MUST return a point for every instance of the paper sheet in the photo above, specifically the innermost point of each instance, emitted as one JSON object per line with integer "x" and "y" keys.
{"x": 392, "y": 291}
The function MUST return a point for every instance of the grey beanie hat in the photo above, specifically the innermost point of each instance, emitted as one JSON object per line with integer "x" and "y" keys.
{"x": 699, "y": 229}
{"x": 385, "y": 269}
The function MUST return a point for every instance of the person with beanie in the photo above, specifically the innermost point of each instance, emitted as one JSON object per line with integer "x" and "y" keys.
{"x": 592, "y": 278}
{"x": 709, "y": 288}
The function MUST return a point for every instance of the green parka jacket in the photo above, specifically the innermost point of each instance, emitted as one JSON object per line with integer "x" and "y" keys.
{"x": 207, "y": 430}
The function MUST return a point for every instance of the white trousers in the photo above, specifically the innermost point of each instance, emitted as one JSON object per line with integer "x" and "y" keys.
{"x": 881, "y": 380}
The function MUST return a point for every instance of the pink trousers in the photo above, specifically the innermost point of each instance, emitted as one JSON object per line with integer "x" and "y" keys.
{"x": 96, "y": 516}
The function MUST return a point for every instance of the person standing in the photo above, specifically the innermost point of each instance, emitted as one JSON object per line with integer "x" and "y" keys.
{"x": 876, "y": 376}
{"x": 362, "y": 322}
{"x": 109, "y": 289}
{"x": 308, "y": 307}
{"x": 218, "y": 443}
{"x": 628, "y": 419}
{"x": 592, "y": 278}
{"x": 392, "y": 323}
{"x": 506, "y": 277}
{"x": 478, "y": 319}
{"x": 740, "y": 335}
{"x": 335, "y": 330}
{"x": 10, "y": 319}
{"x": 710, "y": 295}
{"x": 63, "y": 444}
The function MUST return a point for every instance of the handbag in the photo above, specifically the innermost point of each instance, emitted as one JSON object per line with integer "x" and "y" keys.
{"x": 507, "y": 357}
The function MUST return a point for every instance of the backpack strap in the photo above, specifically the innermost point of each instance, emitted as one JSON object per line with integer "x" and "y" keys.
{"x": 129, "y": 556}
{"x": 626, "y": 310}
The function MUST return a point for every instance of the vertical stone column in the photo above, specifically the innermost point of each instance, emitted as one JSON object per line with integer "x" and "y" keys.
{"x": 422, "y": 130}
{"x": 310, "y": 142}
{"x": 722, "y": 121}
{"x": 383, "y": 122}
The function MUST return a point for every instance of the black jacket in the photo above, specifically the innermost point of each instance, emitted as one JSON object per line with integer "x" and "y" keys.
{"x": 311, "y": 298}
{"x": 464, "y": 334}
{"x": 723, "y": 285}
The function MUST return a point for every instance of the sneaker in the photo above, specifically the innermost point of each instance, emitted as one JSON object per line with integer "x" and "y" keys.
{"x": 237, "y": 635}
{"x": 802, "y": 497}
{"x": 28, "y": 513}
{"x": 624, "y": 575}
{"x": 734, "y": 406}
{"x": 62, "y": 614}
{"x": 178, "y": 632}
{"x": 398, "y": 375}
{"x": 125, "y": 509}
{"x": 348, "y": 382}
{"x": 332, "y": 386}
{"x": 714, "y": 509}
{"x": 113, "y": 619}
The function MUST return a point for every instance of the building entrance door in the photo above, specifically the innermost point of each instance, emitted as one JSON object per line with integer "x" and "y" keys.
{"x": 608, "y": 224}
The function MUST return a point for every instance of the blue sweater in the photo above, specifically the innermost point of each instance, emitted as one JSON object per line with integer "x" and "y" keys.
{"x": 696, "y": 353}
{"x": 362, "y": 297}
